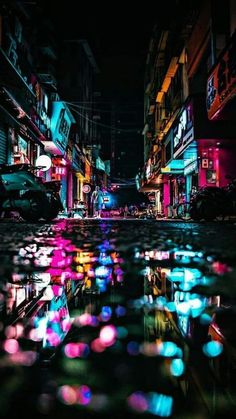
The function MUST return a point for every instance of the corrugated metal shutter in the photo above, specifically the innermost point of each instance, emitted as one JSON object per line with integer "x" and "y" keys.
{"x": 3, "y": 145}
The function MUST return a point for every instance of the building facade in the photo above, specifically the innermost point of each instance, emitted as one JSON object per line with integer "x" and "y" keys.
{"x": 188, "y": 141}
{"x": 37, "y": 116}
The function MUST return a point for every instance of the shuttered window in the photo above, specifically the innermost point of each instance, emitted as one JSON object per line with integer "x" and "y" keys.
{"x": 3, "y": 145}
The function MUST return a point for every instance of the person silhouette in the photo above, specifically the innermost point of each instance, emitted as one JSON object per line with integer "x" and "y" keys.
{"x": 97, "y": 201}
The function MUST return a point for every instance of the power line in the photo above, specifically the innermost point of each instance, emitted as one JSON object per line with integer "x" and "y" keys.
{"x": 108, "y": 103}
{"x": 104, "y": 125}
{"x": 97, "y": 109}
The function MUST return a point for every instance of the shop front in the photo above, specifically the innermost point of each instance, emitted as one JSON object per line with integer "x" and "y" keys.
{"x": 151, "y": 181}
{"x": 78, "y": 173}
{"x": 185, "y": 150}
{"x": 20, "y": 137}
{"x": 216, "y": 161}
{"x": 172, "y": 171}
{"x": 173, "y": 186}
{"x": 59, "y": 171}
{"x": 3, "y": 144}
{"x": 61, "y": 121}
{"x": 206, "y": 149}
{"x": 218, "y": 155}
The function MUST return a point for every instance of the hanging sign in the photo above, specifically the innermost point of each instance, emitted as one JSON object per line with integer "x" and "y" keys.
{"x": 86, "y": 188}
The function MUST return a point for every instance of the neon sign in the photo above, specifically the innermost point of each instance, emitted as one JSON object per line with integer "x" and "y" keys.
{"x": 183, "y": 133}
{"x": 221, "y": 84}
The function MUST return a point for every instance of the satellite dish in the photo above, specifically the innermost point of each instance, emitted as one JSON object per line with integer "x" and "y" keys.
{"x": 43, "y": 162}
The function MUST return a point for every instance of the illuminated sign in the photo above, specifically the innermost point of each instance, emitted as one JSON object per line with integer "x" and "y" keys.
{"x": 43, "y": 162}
{"x": 183, "y": 133}
{"x": 191, "y": 167}
{"x": 180, "y": 128}
{"x": 86, "y": 188}
{"x": 100, "y": 164}
{"x": 60, "y": 125}
{"x": 175, "y": 166}
{"x": 221, "y": 84}
{"x": 107, "y": 167}
{"x": 205, "y": 163}
{"x": 148, "y": 169}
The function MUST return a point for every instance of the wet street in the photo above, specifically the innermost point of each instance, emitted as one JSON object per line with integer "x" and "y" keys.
{"x": 106, "y": 318}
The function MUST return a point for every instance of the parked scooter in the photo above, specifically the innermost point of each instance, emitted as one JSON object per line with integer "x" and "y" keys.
{"x": 214, "y": 202}
{"x": 206, "y": 203}
{"x": 79, "y": 210}
{"x": 148, "y": 213}
{"x": 21, "y": 190}
{"x": 228, "y": 203}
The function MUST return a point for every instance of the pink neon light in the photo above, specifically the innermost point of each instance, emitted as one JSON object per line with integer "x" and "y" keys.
{"x": 108, "y": 335}
{"x": 11, "y": 346}
{"x": 67, "y": 394}
{"x": 97, "y": 346}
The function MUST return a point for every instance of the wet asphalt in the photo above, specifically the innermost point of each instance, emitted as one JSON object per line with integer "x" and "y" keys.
{"x": 110, "y": 259}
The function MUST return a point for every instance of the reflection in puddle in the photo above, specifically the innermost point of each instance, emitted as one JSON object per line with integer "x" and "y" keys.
{"x": 135, "y": 332}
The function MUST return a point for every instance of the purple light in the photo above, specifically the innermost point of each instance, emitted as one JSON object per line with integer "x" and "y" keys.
{"x": 83, "y": 395}
{"x": 57, "y": 290}
{"x": 106, "y": 313}
{"x": 65, "y": 325}
{"x": 84, "y": 320}
{"x": 138, "y": 401}
{"x": 102, "y": 272}
{"x": 120, "y": 311}
{"x": 52, "y": 337}
{"x": 76, "y": 350}
{"x": 133, "y": 348}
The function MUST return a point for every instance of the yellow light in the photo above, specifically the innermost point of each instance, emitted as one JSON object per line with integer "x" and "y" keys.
{"x": 159, "y": 97}
{"x": 165, "y": 169}
{"x": 166, "y": 84}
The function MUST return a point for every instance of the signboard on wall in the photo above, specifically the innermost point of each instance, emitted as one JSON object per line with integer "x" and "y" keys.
{"x": 60, "y": 125}
{"x": 86, "y": 188}
{"x": 183, "y": 132}
{"x": 221, "y": 84}
{"x": 100, "y": 164}
{"x": 205, "y": 163}
{"x": 191, "y": 167}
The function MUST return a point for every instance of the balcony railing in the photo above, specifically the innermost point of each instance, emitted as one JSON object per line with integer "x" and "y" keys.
{"x": 11, "y": 78}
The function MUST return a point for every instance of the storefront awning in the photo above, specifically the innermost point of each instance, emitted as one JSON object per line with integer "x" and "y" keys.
{"x": 19, "y": 113}
{"x": 175, "y": 167}
{"x": 24, "y": 131}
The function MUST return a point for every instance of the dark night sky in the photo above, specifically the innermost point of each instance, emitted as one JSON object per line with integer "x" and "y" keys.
{"x": 118, "y": 33}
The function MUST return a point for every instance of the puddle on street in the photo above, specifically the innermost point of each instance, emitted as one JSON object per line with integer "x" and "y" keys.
{"x": 101, "y": 325}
